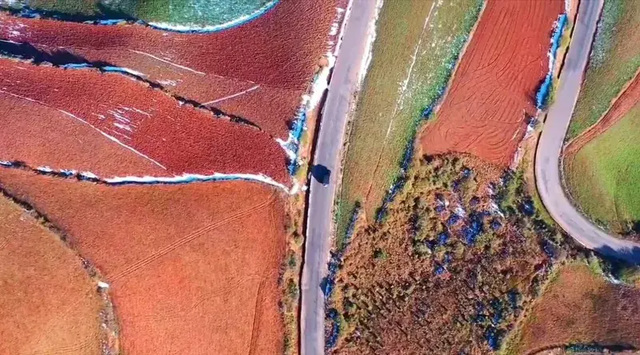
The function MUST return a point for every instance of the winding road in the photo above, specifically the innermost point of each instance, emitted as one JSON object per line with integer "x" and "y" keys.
{"x": 548, "y": 160}
{"x": 342, "y": 89}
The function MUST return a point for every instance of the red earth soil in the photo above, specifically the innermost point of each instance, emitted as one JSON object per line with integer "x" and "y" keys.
{"x": 495, "y": 84}
{"x": 629, "y": 98}
{"x": 149, "y": 123}
{"x": 48, "y": 303}
{"x": 192, "y": 268}
{"x": 278, "y": 52}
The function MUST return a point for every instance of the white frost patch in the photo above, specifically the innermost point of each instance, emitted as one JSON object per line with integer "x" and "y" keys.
{"x": 123, "y": 70}
{"x": 567, "y": 6}
{"x": 198, "y": 28}
{"x": 44, "y": 169}
{"x": 186, "y": 178}
{"x": 494, "y": 209}
{"x": 103, "y": 284}
{"x": 89, "y": 175}
{"x": 122, "y": 126}
{"x": 5, "y": 163}
{"x": 320, "y": 83}
{"x": 366, "y": 59}
{"x": 168, "y": 82}
{"x": 460, "y": 211}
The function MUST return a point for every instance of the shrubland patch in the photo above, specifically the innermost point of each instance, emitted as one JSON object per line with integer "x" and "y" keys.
{"x": 460, "y": 254}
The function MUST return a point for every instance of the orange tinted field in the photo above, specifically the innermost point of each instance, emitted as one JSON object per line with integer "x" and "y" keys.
{"x": 193, "y": 268}
{"x": 581, "y": 307}
{"x": 493, "y": 90}
{"x": 277, "y": 52}
{"x": 176, "y": 139}
{"x": 48, "y": 304}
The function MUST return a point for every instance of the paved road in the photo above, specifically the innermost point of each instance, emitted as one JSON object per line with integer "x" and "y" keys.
{"x": 343, "y": 85}
{"x": 547, "y": 165}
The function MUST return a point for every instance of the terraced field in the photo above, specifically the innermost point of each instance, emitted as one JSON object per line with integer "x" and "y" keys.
{"x": 48, "y": 303}
{"x": 258, "y": 71}
{"x": 159, "y": 129}
{"x": 401, "y": 82}
{"x": 492, "y": 97}
{"x": 180, "y": 260}
{"x": 100, "y": 122}
{"x": 581, "y": 307}
{"x": 182, "y": 14}
{"x": 601, "y": 159}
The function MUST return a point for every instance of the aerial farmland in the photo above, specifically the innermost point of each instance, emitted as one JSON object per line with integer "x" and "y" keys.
{"x": 319, "y": 177}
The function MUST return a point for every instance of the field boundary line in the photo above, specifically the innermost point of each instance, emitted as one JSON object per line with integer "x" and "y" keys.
{"x": 574, "y": 145}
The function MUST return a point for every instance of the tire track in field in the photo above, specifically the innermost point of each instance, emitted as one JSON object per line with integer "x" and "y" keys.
{"x": 186, "y": 239}
{"x": 496, "y": 80}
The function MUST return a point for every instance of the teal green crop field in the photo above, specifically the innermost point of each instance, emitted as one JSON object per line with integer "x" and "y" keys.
{"x": 172, "y": 12}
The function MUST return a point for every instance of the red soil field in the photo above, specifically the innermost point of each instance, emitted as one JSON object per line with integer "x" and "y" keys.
{"x": 581, "y": 307}
{"x": 48, "y": 303}
{"x": 278, "y": 51}
{"x": 147, "y": 122}
{"x": 40, "y": 136}
{"x": 495, "y": 83}
{"x": 629, "y": 98}
{"x": 192, "y": 268}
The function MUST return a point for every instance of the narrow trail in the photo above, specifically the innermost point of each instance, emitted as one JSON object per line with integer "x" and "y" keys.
{"x": 110, "y": 327}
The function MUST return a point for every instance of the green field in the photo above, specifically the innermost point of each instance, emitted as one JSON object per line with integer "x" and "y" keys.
{"x": 604, "y": 176}
{"x": 174, "y": 12}
{"x": 396, "y": 90}
{"x": 614, "y": 60}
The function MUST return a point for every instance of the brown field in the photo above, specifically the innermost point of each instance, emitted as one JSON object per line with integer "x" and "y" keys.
{"x": 493, "y": 90}
{"x": 48, "y": 303}
{"x": 581, "y": 307}
{"x": 177, "y": 139}
{"x": 193, "y": 268}
{"x": 277, "y": 53}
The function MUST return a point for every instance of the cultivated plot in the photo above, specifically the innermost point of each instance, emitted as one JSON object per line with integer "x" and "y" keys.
{"x": 258, "y": 71}
{"x": 580, "y": 307}
{"x": 48, "y": 303}
{"x": 167, "y": 137}
{"x": 492, "y": 96}
{"x": 192, "y": 268}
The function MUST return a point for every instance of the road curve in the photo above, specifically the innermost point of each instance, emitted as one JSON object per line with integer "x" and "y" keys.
{"x": 342, "y": 88}
{"x": 548, "y": 160}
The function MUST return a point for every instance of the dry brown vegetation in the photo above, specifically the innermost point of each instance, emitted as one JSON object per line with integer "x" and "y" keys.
{"x": 48, "y": 303}
{"x": 581, "y": 307}
{"x": 193, "y": 268}
{"x": 446, "y": 271}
